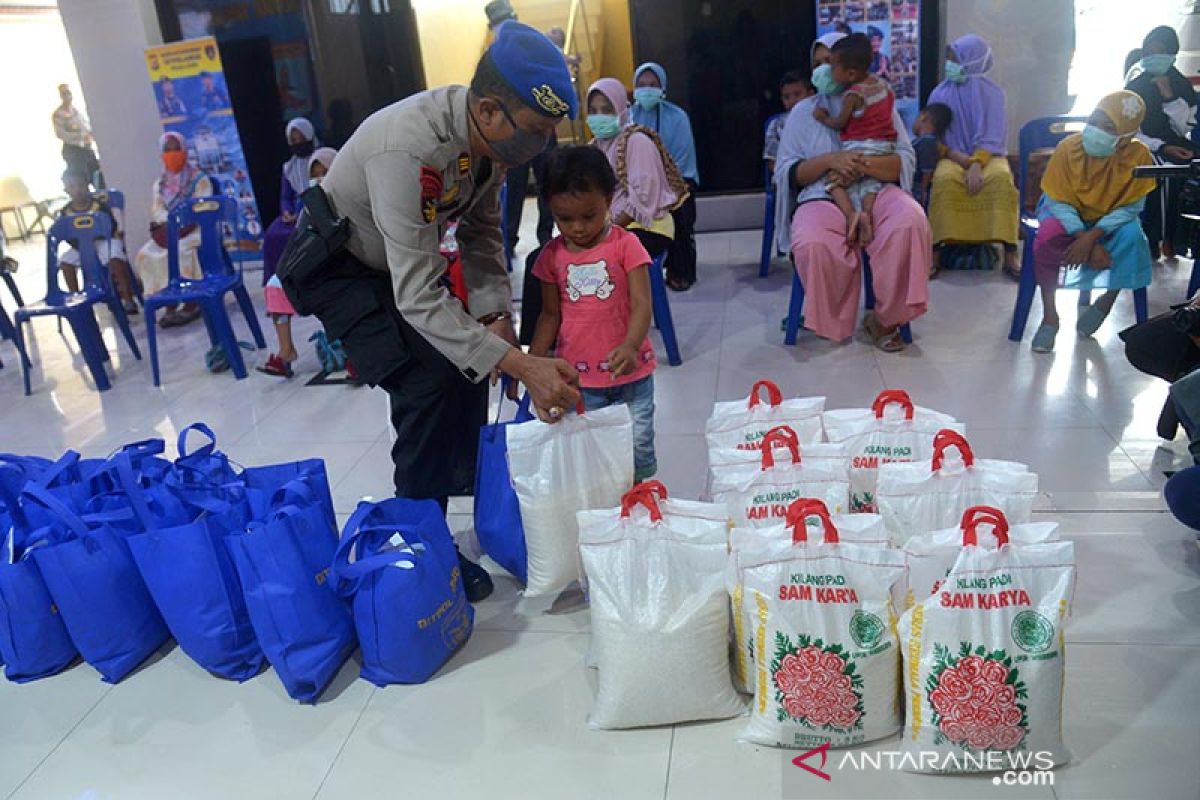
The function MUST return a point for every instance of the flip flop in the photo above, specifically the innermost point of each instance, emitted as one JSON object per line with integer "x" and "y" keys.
{"x": 890, "y": 342}
{"x": 276, "y": 366}
{"x": 1043, "y": 340}
{"x": 1090, "y": 320}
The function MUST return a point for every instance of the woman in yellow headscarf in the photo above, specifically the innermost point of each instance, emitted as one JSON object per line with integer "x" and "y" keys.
{"x": 1090, "y": 215}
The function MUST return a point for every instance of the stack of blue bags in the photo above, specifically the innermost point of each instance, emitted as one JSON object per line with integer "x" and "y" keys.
{"x": 108, "y": 559}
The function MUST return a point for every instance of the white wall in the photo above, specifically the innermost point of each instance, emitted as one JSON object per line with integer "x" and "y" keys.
{"x": 1032, "y": 41}
{"x": 107, "y": 39}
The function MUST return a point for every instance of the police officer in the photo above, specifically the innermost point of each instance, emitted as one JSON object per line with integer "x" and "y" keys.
{"x": 365, "y": 260}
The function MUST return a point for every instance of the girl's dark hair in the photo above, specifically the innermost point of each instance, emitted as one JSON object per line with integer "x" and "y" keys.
{"x": 854, "y": 51}
{"x": 578, "y": 169}
{"x": 795, "y": 76}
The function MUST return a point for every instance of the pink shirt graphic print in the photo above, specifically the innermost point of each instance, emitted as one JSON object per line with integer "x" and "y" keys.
{"x": 593, "y": 289}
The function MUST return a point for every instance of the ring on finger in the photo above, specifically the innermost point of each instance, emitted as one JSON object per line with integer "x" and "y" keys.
{"x": 555, "y": 412}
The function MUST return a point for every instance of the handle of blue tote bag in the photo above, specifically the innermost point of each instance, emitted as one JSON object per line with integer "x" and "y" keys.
{"x": 193, "y": 486}
{"x": 346, "y": 576}
{"x": 524, "y": 412}
{"x": 198, "y": 427}
{"x": 66, "y": 516}
{"x": 11, "y": 479}
{"x": 127, "y": 485}
{"x": 66, "y": 462}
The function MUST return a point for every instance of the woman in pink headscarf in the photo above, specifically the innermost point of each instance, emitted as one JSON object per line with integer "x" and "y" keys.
{"x": 649, "y": 186}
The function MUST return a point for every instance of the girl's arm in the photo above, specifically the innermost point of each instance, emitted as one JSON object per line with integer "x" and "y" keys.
{"x": 1122, "y": 215}
{"x": 624, "y": 357}
{"x": 546, "y": 333}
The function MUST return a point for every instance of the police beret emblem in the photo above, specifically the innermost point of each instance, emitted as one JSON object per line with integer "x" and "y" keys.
{"x": 549, "y": 101}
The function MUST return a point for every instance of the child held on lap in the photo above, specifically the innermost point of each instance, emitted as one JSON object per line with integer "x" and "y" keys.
{"x": 866, "y": 126}
{"x": 596, "y": 295}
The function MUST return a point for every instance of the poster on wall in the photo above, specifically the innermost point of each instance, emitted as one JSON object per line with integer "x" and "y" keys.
{"x": 894, "y": 27}
{"x": 193, "y": 100}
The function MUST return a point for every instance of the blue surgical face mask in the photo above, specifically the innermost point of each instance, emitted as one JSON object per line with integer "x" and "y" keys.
{"x": 823, "y": 82}
{"x": 1158, "y": 64}
{"x": 604, "y": 126}
{"x": 955, "y": 73}
{"x": 1099, "y": 143}
{"x": 648, "y": 97}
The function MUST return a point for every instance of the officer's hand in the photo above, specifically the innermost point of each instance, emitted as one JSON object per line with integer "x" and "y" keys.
{"x": 551, "y": 383}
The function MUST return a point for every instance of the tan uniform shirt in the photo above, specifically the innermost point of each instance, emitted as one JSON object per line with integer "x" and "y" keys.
{"x": 401, "y": 177}
{"x": 71, "y": 127}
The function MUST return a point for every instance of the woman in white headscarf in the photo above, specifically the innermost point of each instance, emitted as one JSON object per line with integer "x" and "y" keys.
{"x": 179, "y": 182}
{"x": 302, "y": 140}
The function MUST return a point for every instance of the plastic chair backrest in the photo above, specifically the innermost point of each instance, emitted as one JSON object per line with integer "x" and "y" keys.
{"x": 115, "y": 199}
{"x": 84, "y": 230}
{"x": 210, "y": 214}
{"x": 768, "y": 178}
{"x": 1042, "y": 133}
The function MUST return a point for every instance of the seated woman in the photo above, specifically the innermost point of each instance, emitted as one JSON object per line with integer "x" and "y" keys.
{"x": 1090, "y": 215}
{"x": 279, "y": 308}
{"x": 1170, "y": 102}
{"x": 179, "y": 182}
{"x": 974, "y": 199}
{"x": 302, "y": 141}
{"x": 831, "y": 271}
{"x": 649, "y": 186}
{"x": 111, "y": 251}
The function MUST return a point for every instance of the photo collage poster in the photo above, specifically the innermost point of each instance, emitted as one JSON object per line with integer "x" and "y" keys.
{"x": 894, "y": 27}
{"x": 193, "y": 100}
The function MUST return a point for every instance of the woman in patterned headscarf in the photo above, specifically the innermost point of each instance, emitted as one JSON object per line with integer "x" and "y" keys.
{"x": 1091, "y": 215}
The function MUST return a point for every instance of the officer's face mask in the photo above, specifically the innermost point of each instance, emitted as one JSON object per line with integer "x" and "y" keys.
{"x": 519, "y": 148}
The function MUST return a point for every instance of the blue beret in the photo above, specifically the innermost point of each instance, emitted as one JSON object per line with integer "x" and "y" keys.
{"x": 535, "y": 69}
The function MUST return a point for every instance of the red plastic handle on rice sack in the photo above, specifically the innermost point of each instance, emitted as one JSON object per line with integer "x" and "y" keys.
{"x": 897, "y": 396}
{"x": 975, "y": 516}
{"x": 782, "y": 436}
{"x": 799, "y": 512}
{"x": 774, "y": 396}
{"x": 646, "y": 495}
{"x": 946, "y": 439}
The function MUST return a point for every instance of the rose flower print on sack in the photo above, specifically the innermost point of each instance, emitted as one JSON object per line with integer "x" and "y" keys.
{"x": 976, "y": 699}
{"x": 816, "y": 685}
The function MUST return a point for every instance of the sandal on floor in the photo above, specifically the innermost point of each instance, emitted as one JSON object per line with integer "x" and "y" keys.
{"x": 1043, "y": 340}
{"x": 891, "y": 342}
{"x": 276, "y": 366}
{"x": 1011, "y": 273}
{"x": 1090, "y": 320}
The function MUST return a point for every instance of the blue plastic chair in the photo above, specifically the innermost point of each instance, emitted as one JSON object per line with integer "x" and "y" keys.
{"x": 796, "y": 304}
{"x": 1038, "y": 134}
{"x": 768, "y": 241}
{"x": 219, "y": 277}
{"x": 661, "y": 306}
{"x": 77, "y": 308}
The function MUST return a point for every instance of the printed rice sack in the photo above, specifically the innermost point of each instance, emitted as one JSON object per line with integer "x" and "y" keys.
{"x": 742, "y": 424}
{"x": 930, "y": 556}
{"x": 860, "y": 529}
{"x": 892, "y": 430}
{"x": 659, "y": 613}
{"x": 825, "y": 655}
{"x": 759, "y": 491}
{"x": 826, "y": 457}
{"x": 983, "y": 660}
{"x": 584, "y": 461}
{"x": 932, "y": 495}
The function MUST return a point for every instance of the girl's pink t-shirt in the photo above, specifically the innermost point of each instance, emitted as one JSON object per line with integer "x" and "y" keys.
{"x": 593, "y": 290}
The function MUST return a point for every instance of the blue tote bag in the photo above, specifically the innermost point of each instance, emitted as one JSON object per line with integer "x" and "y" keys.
{"x": 97, "y": 588}
{"x": 190, "y": 574}
{"x": 497, "y": 512}
{"x": 304, "y": 629}
{"x": 298, "y": 483}
{"x": 33, "y": 640}
{"x": 406, "y": 589}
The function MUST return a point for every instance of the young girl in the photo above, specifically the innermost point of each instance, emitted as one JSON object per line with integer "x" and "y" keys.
{"x": 596, "y": 295}
{"x": 279, "y": 308}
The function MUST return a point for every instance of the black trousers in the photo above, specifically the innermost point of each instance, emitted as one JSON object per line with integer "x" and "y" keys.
{"x": 435, "y": 411}
{"x": 1162, "y": 225}
{"x": 655, "y": 243}
{"x": 681, "y": 260}
{"x": 517, "y": 182}
{"x": 83, "y": 159}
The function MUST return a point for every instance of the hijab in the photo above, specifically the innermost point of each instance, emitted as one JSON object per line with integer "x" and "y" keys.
{"x": 174, "y": 185}
{"x": 828, "y": 40}
{"x": 295, "y": 169}
{"x": 670, "y": 122}
{"x": 1096, "y": 186}
{"x": 614, "y": 90}
{"x": 1163, "y": 35}
{"x": 979, "y": 120}
{"x": 322, "y": 155}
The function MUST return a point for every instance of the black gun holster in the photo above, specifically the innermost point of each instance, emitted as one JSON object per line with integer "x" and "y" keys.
{"x": 313, "y": 249}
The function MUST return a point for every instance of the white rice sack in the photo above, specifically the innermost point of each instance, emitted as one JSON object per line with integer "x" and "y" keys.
{"x": 827, "y": 457}
{"x": 930, "y": 556}
{"x": 660, "y": 617}
{"x": 758, "y": 491}
{"x": 581, "y": 462}
{"x": 863, "y": 529}
{"x": 741, "y": 424}
{"x": 925, "y": 496}
{"x": 892, "y": 430}
{"x": 825, "y": 655}
{"x": 983, "y": 660}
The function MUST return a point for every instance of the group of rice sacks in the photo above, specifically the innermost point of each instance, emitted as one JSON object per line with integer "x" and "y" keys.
{"x": 857, "y": 573}
{"x": 109, "y": 559}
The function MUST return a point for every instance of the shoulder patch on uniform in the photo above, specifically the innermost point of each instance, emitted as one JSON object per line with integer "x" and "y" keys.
{"x": 431, "y": 192}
